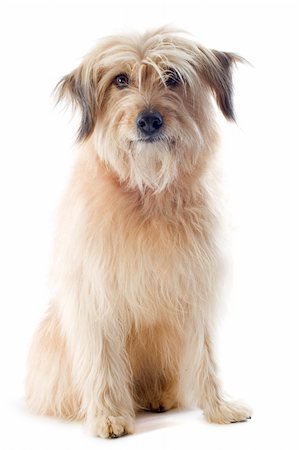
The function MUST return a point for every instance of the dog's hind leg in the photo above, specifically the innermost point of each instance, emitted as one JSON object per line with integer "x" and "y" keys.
{"x": 49, "y": 387}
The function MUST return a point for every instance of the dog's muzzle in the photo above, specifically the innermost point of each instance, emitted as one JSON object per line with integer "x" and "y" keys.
{"x": 149, "y": 124}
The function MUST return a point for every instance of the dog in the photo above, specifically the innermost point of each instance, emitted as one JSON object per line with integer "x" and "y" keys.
{"x": 137, "y": 267}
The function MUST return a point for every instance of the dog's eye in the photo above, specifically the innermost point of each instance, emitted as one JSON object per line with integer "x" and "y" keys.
{"x": 172, "y": 78}
{"x": 121, "y": 80}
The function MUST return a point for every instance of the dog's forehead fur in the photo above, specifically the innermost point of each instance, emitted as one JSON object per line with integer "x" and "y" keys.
{"x": 157, "y": 50}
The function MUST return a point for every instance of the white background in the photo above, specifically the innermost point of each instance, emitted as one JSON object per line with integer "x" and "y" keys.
{"x": 258, "y": 335}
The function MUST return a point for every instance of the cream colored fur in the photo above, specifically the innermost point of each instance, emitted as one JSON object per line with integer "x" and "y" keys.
{"x": 136, "y": 269}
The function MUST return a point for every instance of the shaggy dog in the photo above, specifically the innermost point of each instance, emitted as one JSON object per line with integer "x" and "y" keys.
{"x": 137, "y": 267}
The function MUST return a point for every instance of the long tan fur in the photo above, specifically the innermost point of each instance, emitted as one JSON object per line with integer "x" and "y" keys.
{"x": 136, "y": 268}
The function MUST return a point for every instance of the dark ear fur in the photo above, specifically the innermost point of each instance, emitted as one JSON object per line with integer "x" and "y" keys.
{"x": 218, "y": 74}
{"x": 82, "y": 94}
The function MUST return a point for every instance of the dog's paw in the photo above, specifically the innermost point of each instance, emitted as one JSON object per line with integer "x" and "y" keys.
{"x": 111, "y": 426}
{"x": 156, "y": 407}
{"x": 159, "y": 406}
{"x": 228, "y": 412}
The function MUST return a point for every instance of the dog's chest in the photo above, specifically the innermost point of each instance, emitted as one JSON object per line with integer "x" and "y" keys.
{"x": 158, "y": 263}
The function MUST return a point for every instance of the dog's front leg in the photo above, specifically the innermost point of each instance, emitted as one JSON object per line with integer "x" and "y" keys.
{"x": 102, "y": 376}
{"x": 215, "y": 407}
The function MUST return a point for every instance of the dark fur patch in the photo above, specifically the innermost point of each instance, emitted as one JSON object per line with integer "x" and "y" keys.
{"x": 218, "y": 74}
{"x": 224, "y": 85}
{"x": 83, "y": 96}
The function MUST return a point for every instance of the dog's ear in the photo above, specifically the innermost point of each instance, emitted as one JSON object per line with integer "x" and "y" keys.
{"x": 217, "y": 72}
{"x": 82, "y": 93}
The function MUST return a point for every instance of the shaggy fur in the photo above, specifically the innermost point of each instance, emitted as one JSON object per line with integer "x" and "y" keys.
{"x": 136, "y": 268}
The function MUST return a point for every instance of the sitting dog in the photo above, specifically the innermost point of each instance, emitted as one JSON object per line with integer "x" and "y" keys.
{"x": 136, "y": 268}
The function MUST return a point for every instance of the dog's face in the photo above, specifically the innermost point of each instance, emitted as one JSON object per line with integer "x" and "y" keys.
{"x": 146, "y": 104}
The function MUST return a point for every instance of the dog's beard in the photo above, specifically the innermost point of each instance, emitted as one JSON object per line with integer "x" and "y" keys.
{"x": 152, "y": 165}
{"x": 158, "y": 162}
{"x": 149, "y": 164}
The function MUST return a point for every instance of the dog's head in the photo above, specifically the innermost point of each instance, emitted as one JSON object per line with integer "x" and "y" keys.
{"x": 146, "y": 103}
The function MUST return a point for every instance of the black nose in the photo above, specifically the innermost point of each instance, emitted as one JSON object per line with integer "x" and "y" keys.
{"x": 149, "y": 122}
